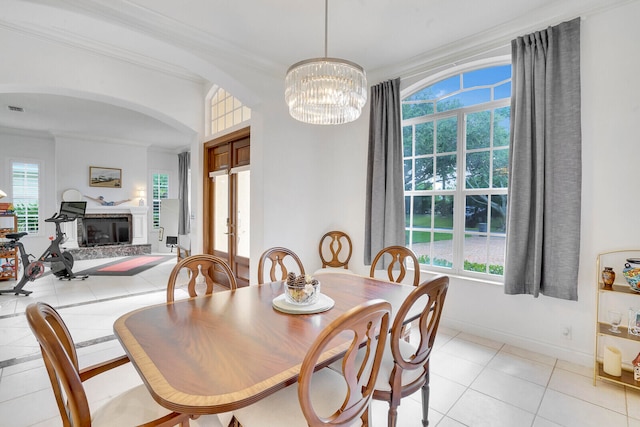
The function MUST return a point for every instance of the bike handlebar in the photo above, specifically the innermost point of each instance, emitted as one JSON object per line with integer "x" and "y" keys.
{"x": 60, "y": 218}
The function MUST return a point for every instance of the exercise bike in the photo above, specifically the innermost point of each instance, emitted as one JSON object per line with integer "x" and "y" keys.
{"x": 60, "y": 262}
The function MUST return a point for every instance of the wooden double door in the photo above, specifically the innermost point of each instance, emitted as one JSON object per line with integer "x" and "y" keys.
{"x": 227, "y": 201}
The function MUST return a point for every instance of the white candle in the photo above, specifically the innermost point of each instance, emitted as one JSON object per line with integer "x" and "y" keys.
{"x": 612, "y": 361}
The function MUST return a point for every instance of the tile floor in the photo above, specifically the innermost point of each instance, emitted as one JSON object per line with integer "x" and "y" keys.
{"x": 474, "y": 381}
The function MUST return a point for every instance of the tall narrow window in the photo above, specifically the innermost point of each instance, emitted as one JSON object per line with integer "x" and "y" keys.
{"x": 160, "y": 191}
{"x": 26, "y": 191}
{"x": 227, "y": 111}
{"x": 456, "y": 152}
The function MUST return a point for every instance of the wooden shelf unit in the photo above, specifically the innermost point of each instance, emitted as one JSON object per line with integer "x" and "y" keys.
{"x": 621, "y": 291}
{"x": 8, "y": 224}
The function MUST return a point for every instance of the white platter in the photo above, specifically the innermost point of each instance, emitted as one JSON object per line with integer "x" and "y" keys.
{"x": 324, "y": 303}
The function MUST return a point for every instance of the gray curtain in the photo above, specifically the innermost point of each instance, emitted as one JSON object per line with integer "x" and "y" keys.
{"x": 545, "y": 172}
{"x": 384, "y": 219}
{"x": 184, "y": 163}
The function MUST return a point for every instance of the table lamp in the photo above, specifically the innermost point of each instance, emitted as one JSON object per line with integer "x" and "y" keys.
{"x": 2, "y": 194}
{"x": 141, "y": 195}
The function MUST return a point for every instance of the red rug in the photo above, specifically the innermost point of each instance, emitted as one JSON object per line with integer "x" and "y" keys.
{"x": 128, "y": 266}
{"x": 131, "y": 263}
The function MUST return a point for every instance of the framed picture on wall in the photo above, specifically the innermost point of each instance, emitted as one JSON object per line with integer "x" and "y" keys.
{"x": 105, "y": 177}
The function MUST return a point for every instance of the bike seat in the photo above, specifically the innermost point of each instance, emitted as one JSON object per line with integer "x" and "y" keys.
{"x": 15, "y": 236}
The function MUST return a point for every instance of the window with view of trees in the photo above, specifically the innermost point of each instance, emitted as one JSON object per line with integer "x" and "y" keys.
{"x": 456, "y": 153}
{"x": 160, "y": 191}
{"x": 25, "y": 179}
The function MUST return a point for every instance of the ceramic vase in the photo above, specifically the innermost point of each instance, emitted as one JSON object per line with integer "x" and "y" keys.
{"x": 636, "y": 368}
{"x": 608, "y": 277}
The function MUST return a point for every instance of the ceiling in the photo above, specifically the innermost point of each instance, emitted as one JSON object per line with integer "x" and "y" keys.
{"x": 243, "y": 38}
{"x": 65, "y": 116}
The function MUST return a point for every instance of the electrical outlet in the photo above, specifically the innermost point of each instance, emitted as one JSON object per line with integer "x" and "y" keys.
{"x": 566, "y": 332}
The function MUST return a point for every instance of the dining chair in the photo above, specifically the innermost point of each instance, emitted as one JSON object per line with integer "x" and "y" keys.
{"x": 405, "y": 365}
{"x": 395, "y": 259}
{"x": 279, "y": 257}
{"x": 326, "y": 397}
{"x": 335, "y": 250}
{"x": 133, "y": 407}
{"x": 210, "y": 267}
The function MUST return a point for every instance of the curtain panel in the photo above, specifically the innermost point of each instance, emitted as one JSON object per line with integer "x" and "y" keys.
{"x": 545, "y": 170}
{"x": 184, "y": 163}
{"x": 384, "y": 218}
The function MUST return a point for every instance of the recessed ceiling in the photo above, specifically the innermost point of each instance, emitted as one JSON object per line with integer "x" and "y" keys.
{"x": 73, "y": 117}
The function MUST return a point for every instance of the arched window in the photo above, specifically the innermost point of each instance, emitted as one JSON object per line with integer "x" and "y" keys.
{"x": 456, "y": 153}
{"x": 227, "y": 111}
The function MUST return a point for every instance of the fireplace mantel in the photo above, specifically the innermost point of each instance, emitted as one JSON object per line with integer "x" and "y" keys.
{"x": 139, "y": 232}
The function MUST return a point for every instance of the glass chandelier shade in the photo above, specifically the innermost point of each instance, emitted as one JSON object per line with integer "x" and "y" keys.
{"x": 325, "y": 91}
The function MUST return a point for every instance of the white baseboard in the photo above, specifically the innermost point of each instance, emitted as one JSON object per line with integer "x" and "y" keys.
{"x": 548, "y": 349}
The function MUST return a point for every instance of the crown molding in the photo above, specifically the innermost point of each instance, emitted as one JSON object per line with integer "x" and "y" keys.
{"x": 98, "y": 139}
{"x": 96, "y": 47}
{"x": 116, "y": 141}
{"x": 29, "y": 133}
{"x": 159, "y": 27}
{"x": 497, "y": 39}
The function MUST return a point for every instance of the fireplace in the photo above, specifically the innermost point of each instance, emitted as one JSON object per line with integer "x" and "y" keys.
{"x": 133, "y": 233}
{"x": 105, "y": 230}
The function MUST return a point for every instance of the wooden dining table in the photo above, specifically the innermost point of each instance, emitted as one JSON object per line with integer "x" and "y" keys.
{"x": 216, "y": 353}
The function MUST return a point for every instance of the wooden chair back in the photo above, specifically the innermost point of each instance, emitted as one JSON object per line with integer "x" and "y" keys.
{"x": 417, "y": 359}
{"x": 61, "y": 362}
{"x": 212, "y": 268}
{"x": 277, "y": 256}
{"x": 436, "y": 292}
{"x": 331, "y": 249}
{"x": 395, "y": 258}
{"x": 365, "y": 323}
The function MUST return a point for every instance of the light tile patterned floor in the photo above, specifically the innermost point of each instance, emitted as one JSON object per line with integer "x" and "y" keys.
{"x": 474, "y": 381}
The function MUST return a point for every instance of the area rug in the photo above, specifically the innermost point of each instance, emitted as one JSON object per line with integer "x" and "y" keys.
{"x": 126, "y": 267}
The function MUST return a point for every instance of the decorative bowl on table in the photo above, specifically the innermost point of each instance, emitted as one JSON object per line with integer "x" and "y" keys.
{"x": 301, "y": 290}
{"x": 632, "y": 273}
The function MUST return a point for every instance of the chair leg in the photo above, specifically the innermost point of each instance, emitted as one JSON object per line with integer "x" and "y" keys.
{"x": 425, "y": 401}
{"x": 392, "y": 418}
{"x": 366, "y": 416}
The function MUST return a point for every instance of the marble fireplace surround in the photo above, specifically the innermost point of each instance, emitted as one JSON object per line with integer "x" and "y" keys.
{"x": 138, "y": 214}
{"x": 123, "y": 220}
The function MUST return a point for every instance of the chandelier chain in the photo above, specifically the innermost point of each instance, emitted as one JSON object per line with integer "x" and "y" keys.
{"x": 326, "y": 27}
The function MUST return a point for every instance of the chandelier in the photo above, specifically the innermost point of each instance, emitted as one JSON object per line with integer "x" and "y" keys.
{"x": 325, "y": 91}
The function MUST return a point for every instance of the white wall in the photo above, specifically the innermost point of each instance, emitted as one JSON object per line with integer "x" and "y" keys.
{"x": 30, "y": 146}
{"x": 75, "y": 156}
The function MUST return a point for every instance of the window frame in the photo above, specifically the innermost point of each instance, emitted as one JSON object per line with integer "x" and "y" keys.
{"x": 40, "y": 182}
{"x": 224, "y": 112}
{"x": 156, "y": 211}
{"x": 460, "y": 193}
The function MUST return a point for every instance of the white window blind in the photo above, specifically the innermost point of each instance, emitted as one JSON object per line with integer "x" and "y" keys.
{"x": 26, "y": 192}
